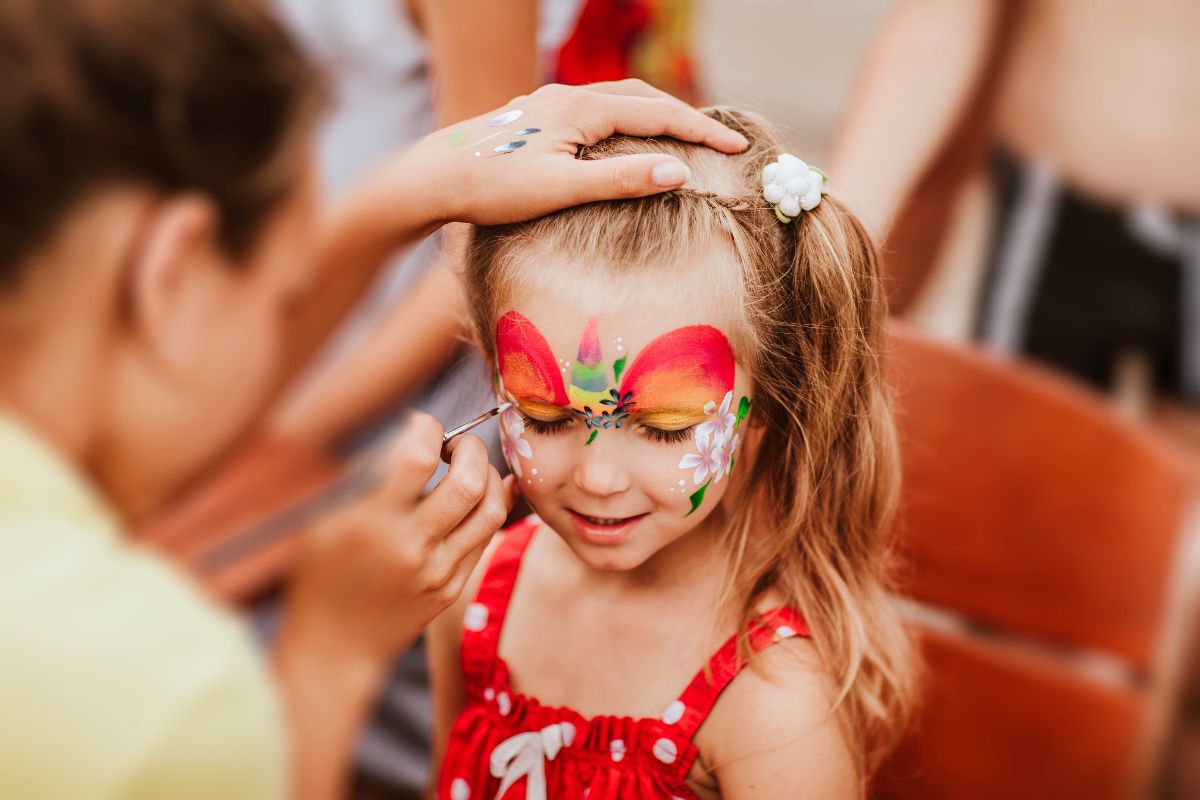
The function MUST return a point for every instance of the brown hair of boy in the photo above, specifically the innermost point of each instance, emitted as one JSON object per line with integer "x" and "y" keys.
{"x": 187, "y": 95}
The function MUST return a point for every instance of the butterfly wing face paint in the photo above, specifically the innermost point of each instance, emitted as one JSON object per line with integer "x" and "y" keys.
{"x": 678, "y": 373}
{"x": 681, "y": 379}
{"x": 526, "y": 363}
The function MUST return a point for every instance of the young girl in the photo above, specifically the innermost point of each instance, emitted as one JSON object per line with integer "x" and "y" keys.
{"x": 700, "y": 423}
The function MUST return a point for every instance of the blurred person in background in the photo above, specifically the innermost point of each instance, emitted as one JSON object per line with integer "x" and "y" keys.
{"x": 1093, "y": 120}
{"x": 1092, "y": 117}
{"x": 647, "y": 39}
{"x": 398, "y": 70}
{"x": 152, "y": 247}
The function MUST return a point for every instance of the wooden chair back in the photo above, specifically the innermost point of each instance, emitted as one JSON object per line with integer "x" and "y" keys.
{"x": 1049, "y": 548}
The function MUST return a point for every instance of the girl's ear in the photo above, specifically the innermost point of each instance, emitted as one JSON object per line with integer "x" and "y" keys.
{"x": 177, "y": 239}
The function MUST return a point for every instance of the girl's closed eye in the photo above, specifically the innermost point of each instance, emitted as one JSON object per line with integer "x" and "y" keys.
{"x": 544, "y": 427}
{"x": 667, "y": 436}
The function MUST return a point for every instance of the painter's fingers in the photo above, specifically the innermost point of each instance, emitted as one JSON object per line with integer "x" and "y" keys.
{"x": 410, "y": 460}
{"x": 477, "y": 528}
{"x": 625, "y": 176}
{"x": 600, "y": 115}
{"x": 632, "y": 87}
{"x": 457, "y": 495}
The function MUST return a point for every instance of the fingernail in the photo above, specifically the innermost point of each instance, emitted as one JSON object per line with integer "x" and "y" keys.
{"x": 670, "y": 174}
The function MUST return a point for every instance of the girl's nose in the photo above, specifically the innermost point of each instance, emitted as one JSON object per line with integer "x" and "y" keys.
{"x": 599, "y": 470}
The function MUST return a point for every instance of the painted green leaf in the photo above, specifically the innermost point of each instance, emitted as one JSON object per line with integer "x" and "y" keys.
{"x": 592, "y": 438}
{"x": 743, "y": 409}
{"x": 458, "y": 137}
{"x": 698, "y": 497}
{"x": 618, "y": 368}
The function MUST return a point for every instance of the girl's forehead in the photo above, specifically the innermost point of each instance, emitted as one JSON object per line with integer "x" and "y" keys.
{"x": 617, "y": 323}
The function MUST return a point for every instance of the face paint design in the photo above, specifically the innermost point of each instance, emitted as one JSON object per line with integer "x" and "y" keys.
{"x": 512, "y": 441}
{"x": 715, "y": 440}
{"x": 506, "y": 118}
{"x": 499, "y": 121}
{"x": 672, "y": 384}
{"x": 674, "y": 376}
{"x": 528, "y": 371}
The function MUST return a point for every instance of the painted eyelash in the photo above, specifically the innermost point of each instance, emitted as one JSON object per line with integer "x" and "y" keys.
{"x": 668, "y": 437}
{"x": 545, "y": 428}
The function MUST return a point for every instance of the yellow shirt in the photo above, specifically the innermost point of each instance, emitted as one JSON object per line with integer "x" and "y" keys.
{"x": 117, "y": 678}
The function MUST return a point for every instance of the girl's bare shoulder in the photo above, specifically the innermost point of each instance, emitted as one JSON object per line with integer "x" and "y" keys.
{"x": 775, "y": 728}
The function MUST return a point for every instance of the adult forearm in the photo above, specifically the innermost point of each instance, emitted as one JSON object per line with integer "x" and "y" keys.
{"x": 326, "y": 695}
{"x": 419, "y": 335}
{"x": 916, "y": 80}
{"x": 388, "y": 210}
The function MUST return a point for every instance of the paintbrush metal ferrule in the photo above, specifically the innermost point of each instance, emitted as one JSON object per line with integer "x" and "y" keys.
{"x": 472, "y": 423}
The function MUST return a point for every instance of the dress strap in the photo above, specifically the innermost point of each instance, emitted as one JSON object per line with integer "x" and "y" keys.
{"x": 688, "y": 713}
{"x": 484, "y": 618}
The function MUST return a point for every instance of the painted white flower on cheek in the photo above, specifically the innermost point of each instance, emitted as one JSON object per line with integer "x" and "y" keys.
{"x": 724, "y": 421}
{"x": 512, "y": 427}
{"x": 723, "y": 462}
{"x": 707, "y": 460}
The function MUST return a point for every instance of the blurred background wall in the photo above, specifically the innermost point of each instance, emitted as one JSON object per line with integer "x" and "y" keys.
{"x": 794, "y": 60}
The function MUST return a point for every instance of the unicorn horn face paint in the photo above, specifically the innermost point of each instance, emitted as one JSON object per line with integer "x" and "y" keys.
{"x": 623, "y": 422}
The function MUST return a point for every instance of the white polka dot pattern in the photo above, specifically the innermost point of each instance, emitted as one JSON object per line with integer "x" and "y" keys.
{"x": 489, "y": 694}
{"x": 476, "y": 618}
{"x": 617, "y": 748}
{"x": 666, "y": 751}
{"x": 784, "y": 632}
{"x": 459, "y": 790}
{"x": 674, "y": 713}
{"x": 504, "y": 703}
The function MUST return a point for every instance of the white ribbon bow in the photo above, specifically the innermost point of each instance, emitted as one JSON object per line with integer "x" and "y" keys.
{"x": 525, "y": 756}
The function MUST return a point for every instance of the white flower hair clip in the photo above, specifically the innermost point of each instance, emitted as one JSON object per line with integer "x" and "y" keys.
{"x": 791, "y": 186}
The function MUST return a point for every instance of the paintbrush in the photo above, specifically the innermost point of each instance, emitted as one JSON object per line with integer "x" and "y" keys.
{"x": 361, "y": 478}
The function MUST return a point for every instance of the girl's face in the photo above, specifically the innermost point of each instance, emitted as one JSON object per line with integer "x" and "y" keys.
{"x": 628, "y": 415}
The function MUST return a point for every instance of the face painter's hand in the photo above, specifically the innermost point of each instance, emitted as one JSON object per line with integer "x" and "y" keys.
{"x": 374, "y": 574}
{"x": 526, "y": 163}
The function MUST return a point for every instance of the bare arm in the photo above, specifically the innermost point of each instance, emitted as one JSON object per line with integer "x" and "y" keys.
{"x": 417, "y": 337}
{"x": 481, "y": 54}
{"x": 916, "y": 80}
{"x": 434, "y": 182}
{"x": 773, "y": 733}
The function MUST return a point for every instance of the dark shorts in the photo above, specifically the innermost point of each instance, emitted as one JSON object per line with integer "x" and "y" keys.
{"x": 1077, "y": 284}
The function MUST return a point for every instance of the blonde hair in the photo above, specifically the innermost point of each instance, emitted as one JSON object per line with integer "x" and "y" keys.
{"x": 810, "y": 312}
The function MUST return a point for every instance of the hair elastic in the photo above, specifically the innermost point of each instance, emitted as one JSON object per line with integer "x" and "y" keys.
{"x": 791, "y": 186}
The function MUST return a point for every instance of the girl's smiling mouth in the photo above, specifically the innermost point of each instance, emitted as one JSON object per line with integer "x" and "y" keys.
{"x": 603, "y": 530}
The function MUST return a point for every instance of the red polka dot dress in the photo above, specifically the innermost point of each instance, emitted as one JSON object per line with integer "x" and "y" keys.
{"x": 508, "y": 746}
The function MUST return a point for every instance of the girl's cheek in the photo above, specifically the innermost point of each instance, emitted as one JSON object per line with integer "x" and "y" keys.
{"x": 549, "y": 463}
